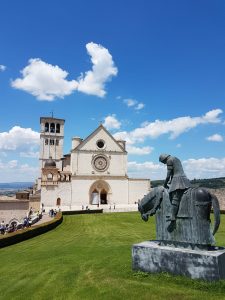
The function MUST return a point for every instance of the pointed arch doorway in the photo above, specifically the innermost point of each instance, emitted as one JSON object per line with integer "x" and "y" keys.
{"x": 99, "y": 193}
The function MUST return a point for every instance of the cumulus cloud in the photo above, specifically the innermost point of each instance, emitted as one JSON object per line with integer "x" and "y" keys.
{"x": 111, "y": 122}
{"x": 146, "y": 169}
{"x": 93, "y": 82}
{"x": 44, "y": 81}
{"x": 24, "y": 140}
{"x": 130, "y": 102}
{"x": 204, "y": 167}
{"x": 2, "y": 68}
{"x": 215, "y": 138}
{"x": 14, "y": 171}
{"x": 30, "y": 154}
{"x": 139, "y": 106}
{"x": 48, "y": 82}
{"x": 134, "y": 103}
{"x": 139, "y": 150}
{"x": 174, "y": 127}
{"x": 194, "y": 168}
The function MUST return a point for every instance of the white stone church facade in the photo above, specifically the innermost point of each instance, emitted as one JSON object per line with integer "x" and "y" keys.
{"x": 93, "y": 174}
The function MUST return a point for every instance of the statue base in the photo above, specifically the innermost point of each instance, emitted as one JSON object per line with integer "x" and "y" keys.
{"x": 150, "y": 257}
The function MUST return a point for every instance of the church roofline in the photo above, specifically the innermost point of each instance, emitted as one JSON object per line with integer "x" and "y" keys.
{"x": 56, "y": 119}
{"x": 84, "y": 141}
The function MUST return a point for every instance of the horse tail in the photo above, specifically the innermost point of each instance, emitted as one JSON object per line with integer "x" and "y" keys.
{"x": 216, "y": 211}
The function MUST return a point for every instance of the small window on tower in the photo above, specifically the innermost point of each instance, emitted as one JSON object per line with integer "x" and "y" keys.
{"x": 46, "y": 127}
{"x": 52, "y": 127}
{"x": 52, "y": 142}
{"x": 57, "y": 128}
{"x": 46, "y": 142}
{"x": 57, "y": 142}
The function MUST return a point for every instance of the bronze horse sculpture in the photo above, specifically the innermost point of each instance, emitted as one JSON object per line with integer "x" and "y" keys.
{"x": 193, "y": 228}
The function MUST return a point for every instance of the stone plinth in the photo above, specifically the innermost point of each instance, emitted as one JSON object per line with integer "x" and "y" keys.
{"x": 150, "y": 257}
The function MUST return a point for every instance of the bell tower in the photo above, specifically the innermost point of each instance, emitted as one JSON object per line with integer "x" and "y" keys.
{"x": 51, "y": 140}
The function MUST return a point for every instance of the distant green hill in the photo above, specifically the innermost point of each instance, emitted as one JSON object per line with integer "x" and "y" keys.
{"x": 212, "y": 183}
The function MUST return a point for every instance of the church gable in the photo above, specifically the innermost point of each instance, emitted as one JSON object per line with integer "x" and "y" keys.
{"x": 100, "y": 139}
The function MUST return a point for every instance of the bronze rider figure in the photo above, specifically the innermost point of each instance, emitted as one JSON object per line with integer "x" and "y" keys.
{"x": 178, "y": 184}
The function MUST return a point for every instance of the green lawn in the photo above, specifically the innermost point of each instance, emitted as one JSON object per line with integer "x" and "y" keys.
{"x": 89, "y": 257}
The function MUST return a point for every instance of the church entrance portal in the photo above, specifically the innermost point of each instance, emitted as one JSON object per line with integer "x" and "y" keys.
{"x": 99, "y": 193}
{"x": 103, "y": 197}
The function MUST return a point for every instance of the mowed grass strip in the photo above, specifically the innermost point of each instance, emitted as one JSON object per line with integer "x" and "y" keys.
{"x": 89, "y": 257}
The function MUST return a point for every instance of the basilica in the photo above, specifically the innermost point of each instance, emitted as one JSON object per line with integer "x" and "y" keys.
{"x": 93, "y": 174}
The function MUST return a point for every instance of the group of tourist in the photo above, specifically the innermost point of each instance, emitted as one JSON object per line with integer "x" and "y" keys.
{"x": 53, "y": 212}
{"x": 13, "y": 226}
{"x": 31, "y": 218}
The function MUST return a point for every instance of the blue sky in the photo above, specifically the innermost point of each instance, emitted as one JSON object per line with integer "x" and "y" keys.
{"x": 153, "y": 72}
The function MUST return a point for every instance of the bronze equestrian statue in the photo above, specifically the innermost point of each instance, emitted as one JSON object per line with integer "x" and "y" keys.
{"x": 182, "y": 212}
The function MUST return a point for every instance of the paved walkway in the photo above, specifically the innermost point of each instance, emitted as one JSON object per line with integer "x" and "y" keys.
{"x": 45, "y": 218}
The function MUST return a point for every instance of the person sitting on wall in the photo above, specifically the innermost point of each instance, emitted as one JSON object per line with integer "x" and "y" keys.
{"x": 26, "y": 222}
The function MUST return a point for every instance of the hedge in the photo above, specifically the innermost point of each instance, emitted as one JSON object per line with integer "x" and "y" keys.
{"x": 27, "y": 233}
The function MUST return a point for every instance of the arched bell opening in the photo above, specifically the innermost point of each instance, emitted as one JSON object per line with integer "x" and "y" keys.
{"x": 46, "y": 127}
{"x": 57, "y": 128}
{"x": 52, "y": 127}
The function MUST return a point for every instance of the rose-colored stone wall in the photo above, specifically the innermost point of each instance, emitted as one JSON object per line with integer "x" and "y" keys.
{"x": 10, "y": 209}
{"x": 220, "y": 194}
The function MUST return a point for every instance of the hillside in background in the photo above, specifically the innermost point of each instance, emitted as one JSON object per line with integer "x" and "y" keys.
{"x": 16, "y": 185}
{"x": 212, "y": 183}
{"x": 10, "y": 188}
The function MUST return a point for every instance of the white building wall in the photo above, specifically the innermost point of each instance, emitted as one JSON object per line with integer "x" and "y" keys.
{"x": 118, "y": 164}
{"x": 82, "y": 164}
{"x": 119, "y": 188}
{"x": 137, "y": 189}
{"x": 50, "y": 194}
{"x": 77, "y": 193}
{"x": 81, "y": 191}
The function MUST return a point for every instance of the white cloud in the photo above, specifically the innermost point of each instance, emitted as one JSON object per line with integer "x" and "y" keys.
{"x": 48, "y": 82}
{"x": 2, "y": 68}
{"x": 194, "y": 168}
{"x": 3, "y": 154}
{"x": 123, "y": 135}
{"x": 134, "y": 103}
{"x": 130, "y": 102}
{"x": 111, "y": 122}
{"x": 13, "y": 171}
{"x": 44, "y": 81}
{"x": 93, "y": 82}
{"x": 139, "y": 150}
{"x": 204, "y": 167}
{"x": 139, "y": 106}
{"x": 24, "y": 139}
{"x": 178, "y": 145}
{"x": 215, "y": 138}
{"x": 146, "y": 169}
{"x": 174, "y": 127}
{"x": 30, "y": 154}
